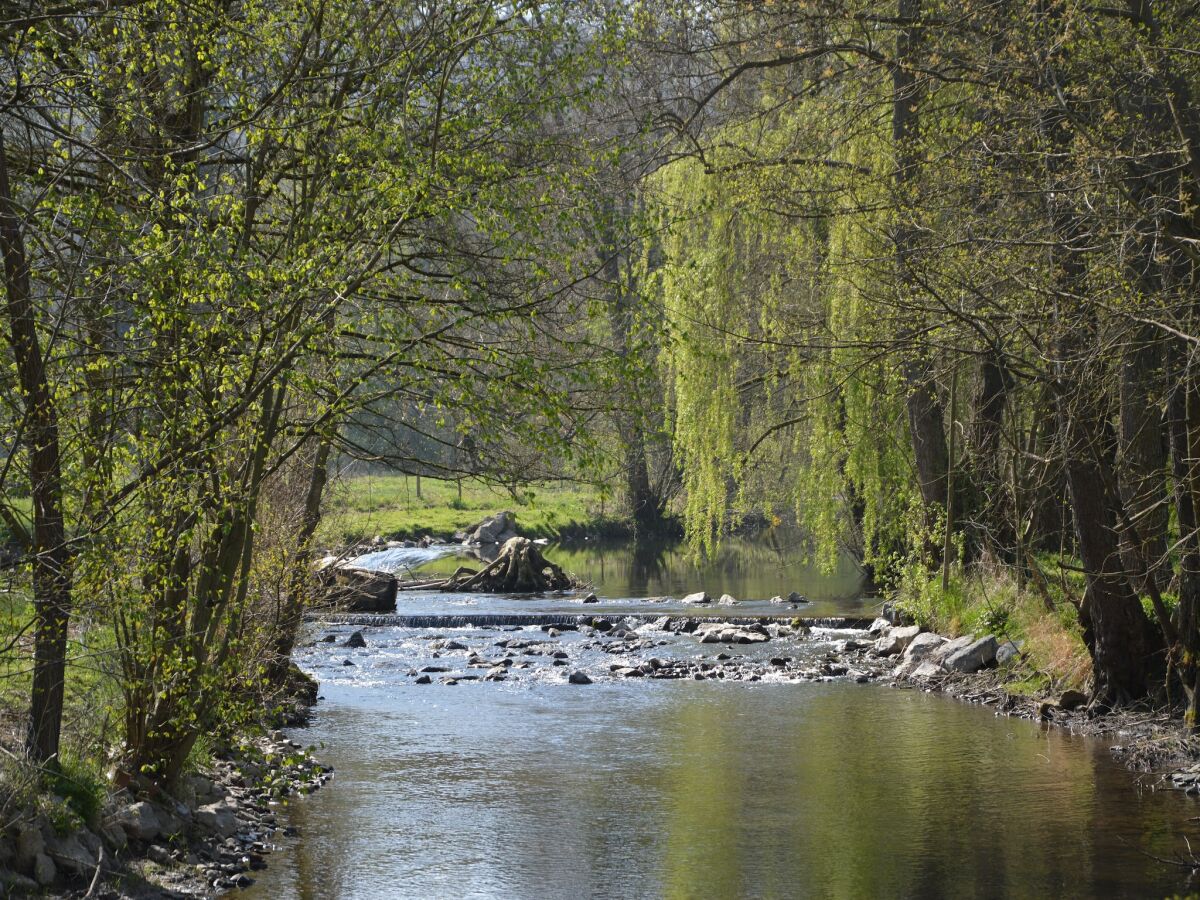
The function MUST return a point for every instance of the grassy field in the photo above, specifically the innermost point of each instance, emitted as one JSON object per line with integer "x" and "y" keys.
{"x": 367, "y": 505}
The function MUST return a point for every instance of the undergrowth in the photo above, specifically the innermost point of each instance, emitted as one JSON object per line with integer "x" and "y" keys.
{"x": 1038, "y": 615}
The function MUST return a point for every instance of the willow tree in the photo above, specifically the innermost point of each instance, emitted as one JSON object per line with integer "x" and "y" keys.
{"x": 1003, "y": 197}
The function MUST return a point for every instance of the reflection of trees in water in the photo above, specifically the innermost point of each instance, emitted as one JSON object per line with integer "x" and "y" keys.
{"x": 647, "y": 563}
{"x": 751, "y": 567}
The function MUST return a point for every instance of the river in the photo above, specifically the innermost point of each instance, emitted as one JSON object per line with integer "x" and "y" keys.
{"x": 764, "y": 782}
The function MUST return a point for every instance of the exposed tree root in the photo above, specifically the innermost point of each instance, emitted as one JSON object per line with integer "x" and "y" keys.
{"x": 519, "y": 569}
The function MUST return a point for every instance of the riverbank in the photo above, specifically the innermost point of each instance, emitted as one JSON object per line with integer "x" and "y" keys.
{"x": 399, "y": 507}
{"x": 206, "y": 837}
{"x": 991, "y": 672}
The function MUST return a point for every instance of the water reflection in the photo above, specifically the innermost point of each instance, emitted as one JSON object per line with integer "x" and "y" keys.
{"x": 749, "y": 568}
{"x": 703, "y": 790}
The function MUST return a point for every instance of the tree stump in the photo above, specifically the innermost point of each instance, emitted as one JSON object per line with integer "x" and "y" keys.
{"x": 519, "y": 569}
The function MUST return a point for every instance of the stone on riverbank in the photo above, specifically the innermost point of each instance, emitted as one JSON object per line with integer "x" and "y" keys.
{"x": 975, "y": 656}
{"x": 219, "y": 819}
{"x": 493, "y": 530}
{"x": 896, "y": 640}
{"x": 70, "y": 854}
{"x": 878, "y": 627}
{"x": 140, "y": 821}
{"x": 923, "y": 645}
{"x": 1007, "y": 652}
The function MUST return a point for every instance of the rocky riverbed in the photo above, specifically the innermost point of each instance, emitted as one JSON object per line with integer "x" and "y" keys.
{"x": 587, "y": 650}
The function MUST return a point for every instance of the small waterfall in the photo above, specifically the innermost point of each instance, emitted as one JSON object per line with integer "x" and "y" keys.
{"x": 399, "y": 559}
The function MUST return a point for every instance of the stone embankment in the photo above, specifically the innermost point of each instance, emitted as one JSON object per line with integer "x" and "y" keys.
{"x": 203, "y": 839}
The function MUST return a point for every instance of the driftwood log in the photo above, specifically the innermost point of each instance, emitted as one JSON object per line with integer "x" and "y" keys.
{"x": 519, "y": 569}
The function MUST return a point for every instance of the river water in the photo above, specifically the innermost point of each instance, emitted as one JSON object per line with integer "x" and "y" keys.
{"x": 755, "y": 776}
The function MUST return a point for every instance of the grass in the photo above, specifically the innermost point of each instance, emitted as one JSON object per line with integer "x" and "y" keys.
{"x": 387, "y": 505}
{"x": 73, "y": 794}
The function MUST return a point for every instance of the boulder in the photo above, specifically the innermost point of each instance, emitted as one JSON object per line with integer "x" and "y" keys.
{"x": 975, "y": 656}
{"x": 793, "y": 597}
{"x": 356, "y": 640}
{"x": 114, "y": 835}
{"x": 896, "y": 640}
{"x": 727, "y": 600}
{"x": 44, "y": 870}
{"x": 879, "y": 626}
{"x": 578, "y": 678}
{"x": 926, "y": 670}
{"x": 1072, "y": 700}
{"x": 948, "y": 649}
{"x": 923, "y": 645}
{"x": 493, "y": 530}
{"x": 29, "y": 843}
{"x": 591, "y": 598}
{"x": 698, "y": 597}
{"x": 725, "y": 633}
{"x": 13, "y": 884}
{"x": 360, "y": 590}
{"x": 1007, "y": 652}
{"x": 219, "y": 819}
{"x": 140, "y": 821}
{"x": 70, "y": 855}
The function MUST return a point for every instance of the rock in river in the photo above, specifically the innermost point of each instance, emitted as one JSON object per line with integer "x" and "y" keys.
{"x": 725, "y": 633}
{"x": 698, "y": 597}
{"x": 578, "y": 677}
{"x": 356, "y": 640}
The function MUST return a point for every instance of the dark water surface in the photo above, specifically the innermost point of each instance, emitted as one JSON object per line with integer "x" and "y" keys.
{"x": 630, "y": 788}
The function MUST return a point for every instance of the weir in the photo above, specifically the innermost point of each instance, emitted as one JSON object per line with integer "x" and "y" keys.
{"x": 534, "y": 619}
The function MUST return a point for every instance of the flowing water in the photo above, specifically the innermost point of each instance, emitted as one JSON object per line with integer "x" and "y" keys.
{"x": 761, "y": 775}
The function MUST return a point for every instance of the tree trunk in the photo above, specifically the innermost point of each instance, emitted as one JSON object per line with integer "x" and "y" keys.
{"x": 1183, "y": 417}
{"x": 644, "y": 505}
{"x": 290, "y": 616}
{"x": 51, "y": 559}
{"x": 925, "y": 414}
{"x": 1116, "y": 629}
{"x": 1143, "y": 458}
{"x": 993, "y": 518}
